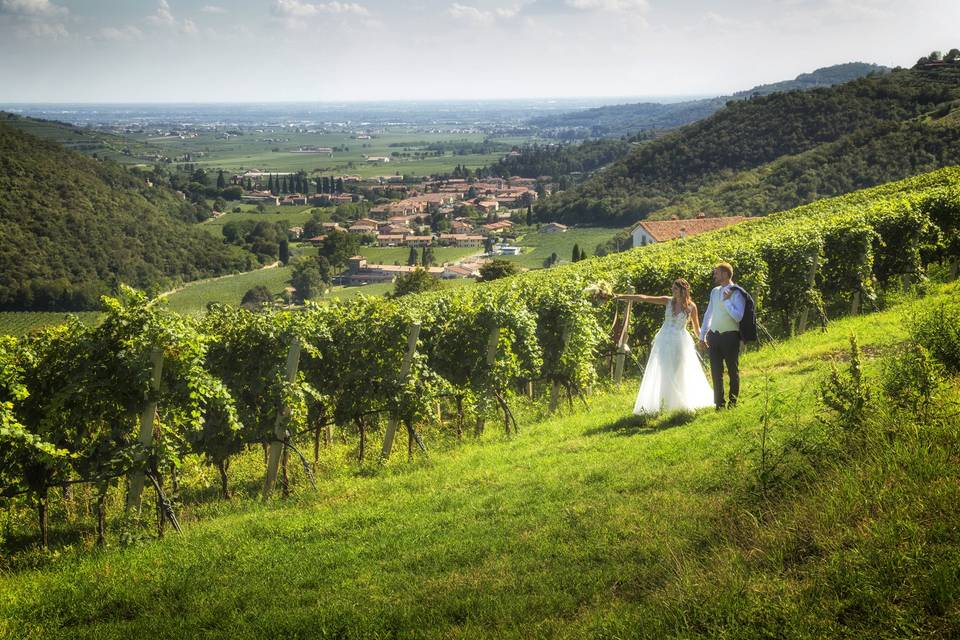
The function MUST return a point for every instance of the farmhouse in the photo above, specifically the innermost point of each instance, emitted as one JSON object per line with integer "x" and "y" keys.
{"x": 359, "y": 272}
{"x": 461, "y": 240}
{"x": 498, "y": 227}
{"x": 553, "y": 227}
{"x": 652, "y": 231}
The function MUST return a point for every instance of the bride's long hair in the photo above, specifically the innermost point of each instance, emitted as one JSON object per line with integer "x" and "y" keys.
{"x": 685, "y": 298}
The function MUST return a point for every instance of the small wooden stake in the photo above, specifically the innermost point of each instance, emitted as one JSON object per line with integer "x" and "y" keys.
{"x": 404, "y": 372}
{"x": 146, "y": 428}
{"x": 280, "y": 427}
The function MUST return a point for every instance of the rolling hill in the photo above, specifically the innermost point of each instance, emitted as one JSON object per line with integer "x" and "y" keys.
{"x": 628, "y": 119}
{"x": 773, "y": 152}
{"x": 73, "y": 227}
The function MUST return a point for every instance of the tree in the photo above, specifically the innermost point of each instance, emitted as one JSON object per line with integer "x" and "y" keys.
{"x": 339, "y": 185}
{"x": 529, "y": 215}
{"x": 488, "y": 243}
{"x": 307, "y": 280}
{"x": 412, "y": 257}
{"x": 952, "y": 56}
{"x": 221, "y": 181}
{"x": 338, "y": 248}
{"x": 935, "y": 56}
{"x": 583, "y": 254}
{"x": 496, "y": 269}
{"x": 576, "y": 253}
{"x": 417, "y": 281}
{"x": 256, "y": 297}
{"x": 426, "y": 257}
{"x": 284, "y": 251}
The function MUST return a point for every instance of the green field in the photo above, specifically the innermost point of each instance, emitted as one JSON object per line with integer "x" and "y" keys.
{"x": 589, "y": 524}
{"x": 294, "y": 216}
{"x": 538, "y": 246}
{"x": 257, "y": 151}
{"x": 18, "y": 323}
{"x": 193, "y": 297}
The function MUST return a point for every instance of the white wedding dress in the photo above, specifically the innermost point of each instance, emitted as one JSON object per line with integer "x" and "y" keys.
{"x": 673, "y": 379}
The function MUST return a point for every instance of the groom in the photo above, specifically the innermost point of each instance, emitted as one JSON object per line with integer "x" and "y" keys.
{"x": 720, "y": 332}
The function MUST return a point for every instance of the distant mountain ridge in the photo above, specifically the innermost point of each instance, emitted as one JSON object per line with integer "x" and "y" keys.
{"x": 628, "y": 119}
{"x": 773, "y": 152}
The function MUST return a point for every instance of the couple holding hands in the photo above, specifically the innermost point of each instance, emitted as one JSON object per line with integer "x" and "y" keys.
{"x": 673, "y": 379}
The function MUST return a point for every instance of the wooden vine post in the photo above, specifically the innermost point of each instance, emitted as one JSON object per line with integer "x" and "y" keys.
{"x": 492, "y": 343}
{"x": 811, "y": 283}
{"x": 404, "y": 373}
{"x": 146, "y": 427}
{"x": 555, "y": 388}
{"x": 621, "y": 357}
{"x": 855, "y": 304}
{"x": 280, "y": 427}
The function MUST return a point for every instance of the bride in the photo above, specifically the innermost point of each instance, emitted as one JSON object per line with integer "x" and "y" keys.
{"x": 673, "y": 379}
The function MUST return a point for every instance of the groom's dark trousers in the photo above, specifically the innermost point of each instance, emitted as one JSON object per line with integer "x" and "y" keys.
{"x": 724, "y": 348}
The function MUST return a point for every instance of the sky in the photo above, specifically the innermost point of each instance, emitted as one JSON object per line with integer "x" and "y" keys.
{"x": 314, "y": 50}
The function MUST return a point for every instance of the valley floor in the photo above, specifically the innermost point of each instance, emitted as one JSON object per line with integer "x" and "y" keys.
{"x": 592, "y": 523}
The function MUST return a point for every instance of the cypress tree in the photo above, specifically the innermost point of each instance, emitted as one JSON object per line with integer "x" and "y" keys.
{"x": 576, "y": 253}
{"x": 412, "y": 257}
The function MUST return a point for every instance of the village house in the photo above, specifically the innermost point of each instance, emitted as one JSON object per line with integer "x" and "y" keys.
{"x": 455, "y": 271}
{"x": 652, "y": 231}
{"x": 359, "y": 272}
{"x": 296, "y": 232}
{"x": 293, "y": 199}
{"x": 488, "y": 206}
{"x": 553, "y": 227}
{"x": 260, "y": 197}
{"x": 389, "y": 240}
{"x": 418, "y": 241}
{"x": 458, "y": 226}
{"x": 461, "y": 240}
{"x": 363, "y": 227}
{"x": 498, "y": 227}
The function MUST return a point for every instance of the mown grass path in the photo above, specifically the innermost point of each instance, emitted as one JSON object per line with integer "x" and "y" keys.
{"x": 590, "y": 524}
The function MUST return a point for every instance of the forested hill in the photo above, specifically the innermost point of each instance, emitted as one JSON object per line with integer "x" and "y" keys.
{"x": 73, "y": 227}
{"x": 627, "y": 119}
{"x": 774, "y": 152}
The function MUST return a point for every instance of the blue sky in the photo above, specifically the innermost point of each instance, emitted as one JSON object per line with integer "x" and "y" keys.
{"x": 313, "y": 50}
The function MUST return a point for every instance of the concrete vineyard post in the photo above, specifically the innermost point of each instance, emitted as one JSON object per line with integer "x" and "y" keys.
{"x": 280, "y": 427}
{"x": 404, "y": 372}
{"x": 621, "y": 358}
{"x": 146, "y": 427}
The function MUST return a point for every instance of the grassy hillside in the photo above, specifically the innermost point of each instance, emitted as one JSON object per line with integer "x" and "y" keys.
{"x": 770, "y": 153}
{"x": 74, "y": 227}
{"x": 762, "y": 521}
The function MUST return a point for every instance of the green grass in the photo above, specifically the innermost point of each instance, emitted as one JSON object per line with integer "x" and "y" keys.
{"x": 193, "y": 297}
{"x": 591, "y": 524}
{"x": 294, "y": 216}
{"x": 539, "y": 246}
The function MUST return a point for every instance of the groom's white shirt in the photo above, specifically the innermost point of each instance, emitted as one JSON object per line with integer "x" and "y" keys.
{"x": 735, "y": 305}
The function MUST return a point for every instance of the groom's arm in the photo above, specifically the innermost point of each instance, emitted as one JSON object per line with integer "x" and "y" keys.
{"x": 735, "y": 303}
{"x": 706, "y": 321}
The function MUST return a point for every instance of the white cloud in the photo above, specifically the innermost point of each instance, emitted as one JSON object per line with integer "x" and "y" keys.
{"x": 300, "y": 9}
{"x": 164, "y": 16}
{"x": 36, "y": 8}
{"x": 119, "y": 34}
{"x": 480, "y": 17}
{"x": 608, "y": 5}
{"x": 212, "y": 9}
{"x": 189, "y": 27}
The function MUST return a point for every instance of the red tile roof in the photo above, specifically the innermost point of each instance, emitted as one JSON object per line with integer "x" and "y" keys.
{"x": 663, "y": 230}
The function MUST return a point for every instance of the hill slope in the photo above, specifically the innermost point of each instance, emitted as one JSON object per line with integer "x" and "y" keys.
{"x": 628, "y": 119}
{"x": 594, "y": 524}
{"x": 799, "y": 146}
{"x": 73, "y": 227}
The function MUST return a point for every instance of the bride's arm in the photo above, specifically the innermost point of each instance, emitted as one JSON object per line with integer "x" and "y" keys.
{"x": 642, "y": 298}
{"x": 695, "y": 319}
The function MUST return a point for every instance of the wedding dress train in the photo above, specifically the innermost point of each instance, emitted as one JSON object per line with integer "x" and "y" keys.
{"x": 673, "y": 379}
